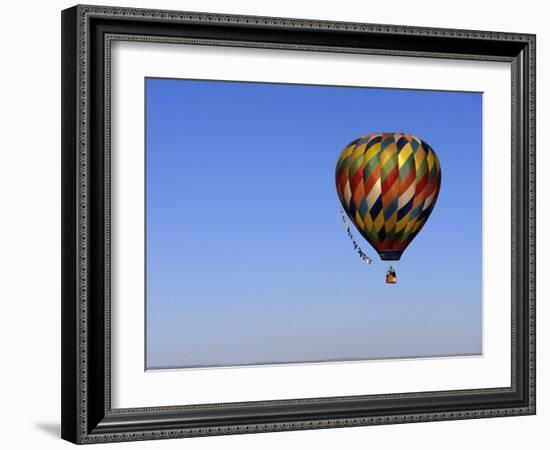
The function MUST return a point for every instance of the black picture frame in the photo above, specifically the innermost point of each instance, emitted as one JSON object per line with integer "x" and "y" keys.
{"x": 87, "y": 416}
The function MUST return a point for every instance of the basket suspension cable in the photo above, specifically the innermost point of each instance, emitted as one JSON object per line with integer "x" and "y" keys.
{"x": 356, "y": 247}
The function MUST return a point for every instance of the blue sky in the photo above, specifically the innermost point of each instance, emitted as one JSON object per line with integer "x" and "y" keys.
{"x": 247, "y": 259}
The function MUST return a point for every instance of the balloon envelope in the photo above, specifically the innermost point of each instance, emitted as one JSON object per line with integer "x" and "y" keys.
{"x": 388, "y": 185}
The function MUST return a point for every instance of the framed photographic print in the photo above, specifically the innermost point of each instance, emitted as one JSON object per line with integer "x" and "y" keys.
{"x": 276, "y": 224}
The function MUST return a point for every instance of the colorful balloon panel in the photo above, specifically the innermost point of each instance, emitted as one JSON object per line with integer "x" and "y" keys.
{"x": 388, "y": 185}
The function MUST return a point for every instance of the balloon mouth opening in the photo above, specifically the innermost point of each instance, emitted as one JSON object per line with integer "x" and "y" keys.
{"x": 390, "y": 255}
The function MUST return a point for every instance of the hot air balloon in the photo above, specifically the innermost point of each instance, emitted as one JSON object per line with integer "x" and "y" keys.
{"x": 388, "y": 185}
